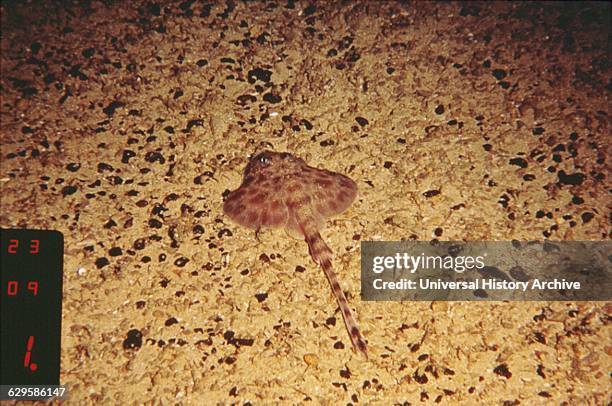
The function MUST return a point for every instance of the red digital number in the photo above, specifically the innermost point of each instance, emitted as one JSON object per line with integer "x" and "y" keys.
{"x": 28, "y": 355}
{"x": 12, "y": 288}
{"x": 12, "y": 248}
{"x": 34, "y": 246}
{"x": 33, "y": 286}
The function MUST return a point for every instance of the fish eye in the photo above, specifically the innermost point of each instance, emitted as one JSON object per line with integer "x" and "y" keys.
{"x": 264, "y": 159}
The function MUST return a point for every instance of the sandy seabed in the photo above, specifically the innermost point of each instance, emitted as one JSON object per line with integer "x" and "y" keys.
{"x": 124, "y": 124}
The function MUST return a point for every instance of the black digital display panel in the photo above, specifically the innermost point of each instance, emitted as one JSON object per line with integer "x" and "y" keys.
{"x": 31, "y": 263}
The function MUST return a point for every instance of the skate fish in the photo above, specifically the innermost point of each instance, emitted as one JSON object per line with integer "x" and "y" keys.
{"x": 281, "y": 190}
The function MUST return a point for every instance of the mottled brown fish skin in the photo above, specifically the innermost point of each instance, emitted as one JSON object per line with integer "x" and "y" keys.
{"x": 281, "y": 190}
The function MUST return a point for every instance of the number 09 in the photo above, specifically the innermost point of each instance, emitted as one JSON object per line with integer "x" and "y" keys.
{"x": 13, "y": 287}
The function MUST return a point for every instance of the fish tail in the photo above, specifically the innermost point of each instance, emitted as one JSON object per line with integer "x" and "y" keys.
{"x": 323, "y": 255}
